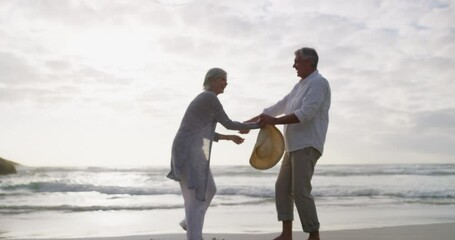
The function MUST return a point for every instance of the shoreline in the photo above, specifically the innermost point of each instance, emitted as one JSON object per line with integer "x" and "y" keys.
{"x": 440, "y": 231}
{"x": 256, "y": 222}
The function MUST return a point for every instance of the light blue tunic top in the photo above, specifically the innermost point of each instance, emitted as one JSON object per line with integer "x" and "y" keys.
{"x": 193, "y": 142}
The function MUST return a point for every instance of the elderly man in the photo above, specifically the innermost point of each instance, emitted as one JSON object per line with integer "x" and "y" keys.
{"x": 305, "y": 115}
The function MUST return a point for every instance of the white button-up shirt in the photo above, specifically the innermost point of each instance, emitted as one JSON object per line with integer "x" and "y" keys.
{"x": 309, "y": 100}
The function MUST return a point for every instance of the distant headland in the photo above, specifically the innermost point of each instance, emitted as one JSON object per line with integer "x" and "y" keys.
{"x": 7, "y": 167}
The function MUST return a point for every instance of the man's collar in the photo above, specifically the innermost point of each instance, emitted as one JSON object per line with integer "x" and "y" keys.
{"x": 312, "y": 75}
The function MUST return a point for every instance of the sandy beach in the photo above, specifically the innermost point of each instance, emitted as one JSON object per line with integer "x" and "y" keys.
{"x": 443, "y": 231}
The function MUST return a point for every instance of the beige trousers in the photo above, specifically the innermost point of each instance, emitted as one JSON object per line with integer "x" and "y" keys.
{"x": 293, "y": 185}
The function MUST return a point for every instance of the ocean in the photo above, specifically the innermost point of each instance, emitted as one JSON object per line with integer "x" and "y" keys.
{"x": 63, "y": 202}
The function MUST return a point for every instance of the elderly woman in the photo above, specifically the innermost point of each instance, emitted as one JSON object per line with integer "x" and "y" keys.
{"x": 190, "y": 162}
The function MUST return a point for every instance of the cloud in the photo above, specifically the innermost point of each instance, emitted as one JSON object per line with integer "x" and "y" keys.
{"x": 35, "y": 96}
{"x": 390, "y": 64}
{"x": 430, "y": 133}
{"x": 16, "y": 70}
{"x": 439, "y": 121}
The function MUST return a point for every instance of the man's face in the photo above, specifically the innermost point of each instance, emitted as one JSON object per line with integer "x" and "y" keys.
{"x": 303, "y": 66}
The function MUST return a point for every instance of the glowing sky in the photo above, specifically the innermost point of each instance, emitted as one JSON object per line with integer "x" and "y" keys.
{"x": 107, "y": 82}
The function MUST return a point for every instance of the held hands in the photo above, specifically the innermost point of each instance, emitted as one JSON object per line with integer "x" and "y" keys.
{"x": 265, "y": 119}
{"x": 252, "y": 120}
{"x": 262, "y": 120}
{"x": 246, "y": 131}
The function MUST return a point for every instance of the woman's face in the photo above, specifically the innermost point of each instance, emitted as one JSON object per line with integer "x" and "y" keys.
{"x": 218, "y": 85}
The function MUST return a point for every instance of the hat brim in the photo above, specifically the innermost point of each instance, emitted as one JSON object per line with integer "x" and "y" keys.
{"x": 261, "y": 159}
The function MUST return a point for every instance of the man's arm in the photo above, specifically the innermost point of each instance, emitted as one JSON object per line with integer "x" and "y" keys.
{"x": 255, "y": 119}
{"x": 286, "y": 119}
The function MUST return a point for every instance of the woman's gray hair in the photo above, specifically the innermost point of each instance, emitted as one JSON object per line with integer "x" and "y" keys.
{"x": 308, "y": 53}
{"x": 212, "y": 74}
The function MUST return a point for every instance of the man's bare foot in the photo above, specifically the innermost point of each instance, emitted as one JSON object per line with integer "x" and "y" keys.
{"x": 286, "y": 233}
{"x": 314, "y": 236}
{"x": 284, "y": 237}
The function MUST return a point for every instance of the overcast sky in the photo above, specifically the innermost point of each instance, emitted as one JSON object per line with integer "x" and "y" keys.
{"x": 107, "y": 82}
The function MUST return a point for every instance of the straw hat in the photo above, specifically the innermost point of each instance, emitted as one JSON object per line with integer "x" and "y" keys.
{"x": 269, "y": 148}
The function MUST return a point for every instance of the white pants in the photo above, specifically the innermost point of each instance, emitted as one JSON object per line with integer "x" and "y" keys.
{"x": 195, "y": 209}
